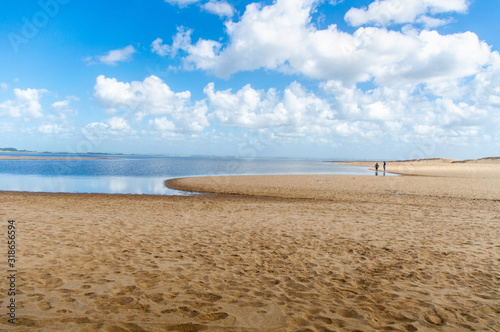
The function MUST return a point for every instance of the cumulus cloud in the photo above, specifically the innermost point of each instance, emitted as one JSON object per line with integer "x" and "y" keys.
{"x": 409, "y": 114}
{"x": 159, "y": 48}
{"x": 400, "y": 114}
{"x": 118, "y": 124}
{"x": 113, "y": 128}
{"x": 162, "y": 124}
{"x": 152, "y": 97}
{"x": 49, "y": 129}
{"x": 26, "y": 104}
{"x": 149, "y": 97}
{"x": 181, "y": 41}
{"x": 220, "y": 8}
{"x": 113, "y": 57}
{"x": 386, "y": 12}
{"x": 297, "y": 112}
{"x": 336, "y": 112}
{"x": 63, "y": 108}
{"x": 268, "y": 37}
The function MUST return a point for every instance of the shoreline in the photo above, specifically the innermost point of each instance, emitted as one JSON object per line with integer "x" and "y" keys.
{"x": 436, "y": 178}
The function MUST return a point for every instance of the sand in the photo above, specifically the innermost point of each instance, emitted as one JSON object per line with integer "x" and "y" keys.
{"x": 478, "y": 168}
{"x": 282, "y": 253}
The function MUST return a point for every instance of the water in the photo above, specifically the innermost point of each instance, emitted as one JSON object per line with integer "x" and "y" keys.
{"x": 123, "y": 174}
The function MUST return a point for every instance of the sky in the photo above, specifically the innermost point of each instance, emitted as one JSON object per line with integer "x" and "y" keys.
{"x": 331, "y": 79}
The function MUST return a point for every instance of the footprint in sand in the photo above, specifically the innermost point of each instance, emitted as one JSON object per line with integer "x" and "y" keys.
{"x": 212, "y": 317}
{"x": 325, "y": 320}
{"x": 122, "y": 290}
{"x": 63, "y": 311}
{"x": 188, "y": 312}
{"x": 92, "y": 295}
{"x": 210, "y": 297}
{"x": 348, "y": 313}
{"x": 157, "y": 297}
{"x": 123, "y": 300}
{"x": 45, "y": 305}
{"x": 54, "y": 283}
{"x": 66, "y": 299}
{"x": 37, "y": 297}
{"x": 433, "y": 318}
{"x": 410, "y": 328}
{"x": 189, "y": 327}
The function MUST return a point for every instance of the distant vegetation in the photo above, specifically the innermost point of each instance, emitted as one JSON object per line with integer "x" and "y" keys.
{"x": 12, "y": 150}
{"x": 51, "y": 152}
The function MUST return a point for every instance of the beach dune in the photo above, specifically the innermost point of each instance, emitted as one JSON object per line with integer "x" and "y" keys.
{"x": 263, "y": 253}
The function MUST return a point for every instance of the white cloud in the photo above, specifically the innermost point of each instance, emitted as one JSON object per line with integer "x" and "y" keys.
{"x": 193, "y": 118}
{"x": 118, "y": 123}
{"x": 386, "y": 12}
{"x": 113, "y": 128}
{"x": 27, "y": 104}
{"x": 268, "y": 37}
{"x": 296, "y": 113}
{"x": 431, "y": 22}
{"x": 410, "y": 114}
{"x": 162, "y": 124}
{"x": 115, "y": 56}
{"x": 49, "y": 129}
{"x": 159, "y": 48}
{"x": 63, "y": 108}
{"x": 3, "y": 87}
{"x": 348, "y": 114}
{"x": 220, "y": 8}
{"x": 152, "y": 97}
{"x": 181, "y": 41}
{"x": 203, "y": 53}
{"x": 336, "y": 113}
{"x": 181, "y": 3}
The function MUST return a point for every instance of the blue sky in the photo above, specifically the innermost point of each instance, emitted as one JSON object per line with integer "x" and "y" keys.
{"x": 361, "y": 79}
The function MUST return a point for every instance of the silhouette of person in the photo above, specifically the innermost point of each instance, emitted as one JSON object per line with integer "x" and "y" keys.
{"x": 384, "y": 165}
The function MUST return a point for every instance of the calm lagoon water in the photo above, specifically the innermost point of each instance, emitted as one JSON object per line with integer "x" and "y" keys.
{"x": 124, "y": 174}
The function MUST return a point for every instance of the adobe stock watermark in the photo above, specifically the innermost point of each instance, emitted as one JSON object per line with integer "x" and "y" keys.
{"x": 32, "y": 26}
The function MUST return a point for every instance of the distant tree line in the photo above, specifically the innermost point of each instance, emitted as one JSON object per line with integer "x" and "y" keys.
{"x": 12, "y": 150}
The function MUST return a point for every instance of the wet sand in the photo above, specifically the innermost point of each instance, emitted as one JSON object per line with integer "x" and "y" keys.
{"x": 281, "y": 253}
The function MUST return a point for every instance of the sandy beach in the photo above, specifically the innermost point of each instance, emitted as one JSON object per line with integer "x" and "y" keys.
{"x": 265, "y": 253}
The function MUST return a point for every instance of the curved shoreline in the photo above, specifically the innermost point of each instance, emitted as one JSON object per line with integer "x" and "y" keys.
{"x": 437, "y": 179}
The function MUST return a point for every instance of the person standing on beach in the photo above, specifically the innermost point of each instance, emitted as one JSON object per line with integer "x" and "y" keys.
{"x": 376, "y": 166}
{"x": 384, "y": 165}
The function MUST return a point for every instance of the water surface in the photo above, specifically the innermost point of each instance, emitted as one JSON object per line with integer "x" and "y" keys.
{"x": 124, "y": 174}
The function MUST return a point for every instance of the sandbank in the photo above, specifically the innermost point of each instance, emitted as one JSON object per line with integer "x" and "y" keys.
{"x": 475, "y": 168}
{"x": 262, "y": 253}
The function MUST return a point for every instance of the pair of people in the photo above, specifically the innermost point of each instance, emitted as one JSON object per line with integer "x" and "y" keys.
{"x": 376, "y": 166}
